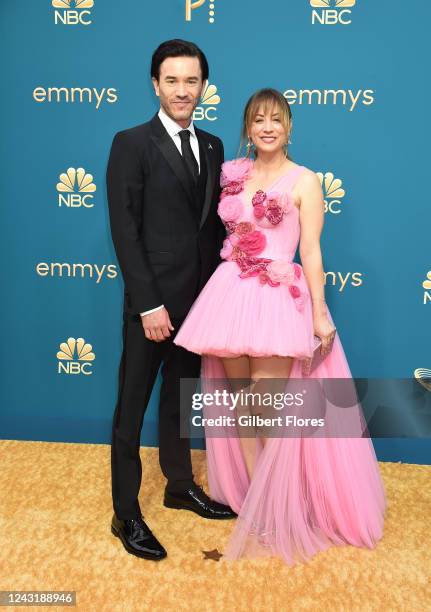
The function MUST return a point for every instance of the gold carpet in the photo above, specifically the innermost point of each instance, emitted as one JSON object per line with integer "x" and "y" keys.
{"x": 55, "y": 535}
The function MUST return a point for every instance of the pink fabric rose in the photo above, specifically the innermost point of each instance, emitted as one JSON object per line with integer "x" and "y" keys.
{"x": 281, "y": 271}
{"x": 252, "y": 243}
{"x": 267, "y": 205}
{"x": 233, "y": 188}
{"x": 244, "y": 227}
{"x": 294, "y": 291}
{"x": 273, "y": 200}
{"x": 259, "y": 211}
{"x": 227, "y": 249}
{"x": 235, "y": 170}
{"x": 236, "y": 253}
{"x": 274, "y": 214}
{"x": 252, "y": 266}
{"x": 264, "y": 279}
{"x": 234, "y": 238}
{"x": 230, "y": 226}
{"x": 230, "y": 208}
{"x": 259, "y": 197}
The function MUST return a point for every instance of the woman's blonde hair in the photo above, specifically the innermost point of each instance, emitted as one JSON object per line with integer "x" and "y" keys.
{"x": 265, "y": 99}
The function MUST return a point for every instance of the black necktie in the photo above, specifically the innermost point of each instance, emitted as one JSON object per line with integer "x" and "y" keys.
{"x": 188, "y": 155}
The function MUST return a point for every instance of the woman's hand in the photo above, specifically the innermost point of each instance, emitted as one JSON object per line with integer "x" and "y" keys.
{"x": 324, "y": 329}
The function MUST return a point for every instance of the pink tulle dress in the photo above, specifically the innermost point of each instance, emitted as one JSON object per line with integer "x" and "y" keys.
{"x": 306, "y": 493}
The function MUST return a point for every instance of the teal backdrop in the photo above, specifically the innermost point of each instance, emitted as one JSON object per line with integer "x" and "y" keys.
{"x": 74, "y": 73}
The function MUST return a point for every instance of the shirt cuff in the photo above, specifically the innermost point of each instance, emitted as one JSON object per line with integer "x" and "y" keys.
{"x": 152, "y": 310}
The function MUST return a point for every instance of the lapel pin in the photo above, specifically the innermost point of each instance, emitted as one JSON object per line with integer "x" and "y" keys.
{"x": 210, "y": 146}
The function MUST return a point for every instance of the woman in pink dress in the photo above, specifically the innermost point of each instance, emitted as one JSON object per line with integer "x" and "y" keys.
{"x": 253, "y": 323}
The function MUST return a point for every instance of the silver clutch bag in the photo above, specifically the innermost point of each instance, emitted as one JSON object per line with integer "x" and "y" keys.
{"x": 310, "y": 363}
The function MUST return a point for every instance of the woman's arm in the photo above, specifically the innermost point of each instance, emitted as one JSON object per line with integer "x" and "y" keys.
{"x": 311, "y": 216}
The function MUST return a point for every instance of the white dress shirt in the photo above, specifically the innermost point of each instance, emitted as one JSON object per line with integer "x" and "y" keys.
{"x": 173, "y": 129}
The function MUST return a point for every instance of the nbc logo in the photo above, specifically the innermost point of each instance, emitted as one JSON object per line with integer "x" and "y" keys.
{"x": 427, "y": 286}
{"x": 423, "y": 376}
{"x": 192, "y": 5}
{"x": 209, "y": 101}
{"x": 331, "y": 12}
{"x": 72, "y": 12}
{"x": 75, "y": 357}
{"x": 75, "y": 189}
{"x": 332, "y": 192}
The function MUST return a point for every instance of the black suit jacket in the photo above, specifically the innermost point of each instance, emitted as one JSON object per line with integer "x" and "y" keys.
{"x": 166, "y": 251}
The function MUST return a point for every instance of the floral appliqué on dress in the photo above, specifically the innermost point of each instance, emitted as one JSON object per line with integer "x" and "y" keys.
{"x": 244, "y": 242}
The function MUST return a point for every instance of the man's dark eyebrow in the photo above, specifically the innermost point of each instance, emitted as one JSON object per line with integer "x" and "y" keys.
{"x": 190, "y": 78}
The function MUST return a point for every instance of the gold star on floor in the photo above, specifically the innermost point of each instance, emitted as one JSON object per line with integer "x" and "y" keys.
{"x": 214, "y": 554}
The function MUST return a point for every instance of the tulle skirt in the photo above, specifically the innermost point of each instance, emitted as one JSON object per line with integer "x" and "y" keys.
{"x": 240, "y": 316}
{"x": 306, "y": 493}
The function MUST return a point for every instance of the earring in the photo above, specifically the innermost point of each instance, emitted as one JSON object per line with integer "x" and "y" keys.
{"x": 249, "y": 146}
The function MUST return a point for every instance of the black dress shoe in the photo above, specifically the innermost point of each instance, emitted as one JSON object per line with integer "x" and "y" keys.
{"x": 195, "y": 499}
{"x": 137, "y": 538}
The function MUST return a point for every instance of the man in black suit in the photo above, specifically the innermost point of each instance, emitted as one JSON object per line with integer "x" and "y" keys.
{"x": 163, "y": 189}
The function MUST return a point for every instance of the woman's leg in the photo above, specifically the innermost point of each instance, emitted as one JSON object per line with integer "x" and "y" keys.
{"x": 238, "y": 372}
{"x": 268, "y": 375}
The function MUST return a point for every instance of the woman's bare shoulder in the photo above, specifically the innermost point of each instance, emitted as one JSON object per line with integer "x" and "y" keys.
{"x": 308, "y": 174}
{"x": 308, "y": 180}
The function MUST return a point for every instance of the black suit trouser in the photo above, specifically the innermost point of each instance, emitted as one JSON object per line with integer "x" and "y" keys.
{"x": 140, "y": 362}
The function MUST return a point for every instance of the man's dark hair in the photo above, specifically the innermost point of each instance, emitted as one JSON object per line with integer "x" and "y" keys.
{"x": 177, "y": 48}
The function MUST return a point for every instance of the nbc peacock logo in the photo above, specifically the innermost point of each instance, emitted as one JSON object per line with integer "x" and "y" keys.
{"x": 72, "y": 12}
{"x": 423, "y": 376}
{"x": 75, "y": 189}
{"x": 427, "y": 286}
{"x": 333, "y": 193}
{"x": 331, "y": 12}
{"x": 193, "y": 5}
{"x": 75, "y": 357}
{"x": 208, "y": 104}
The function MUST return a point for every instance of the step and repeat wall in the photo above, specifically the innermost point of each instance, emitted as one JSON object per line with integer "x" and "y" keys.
{"x": 77, "y": 71}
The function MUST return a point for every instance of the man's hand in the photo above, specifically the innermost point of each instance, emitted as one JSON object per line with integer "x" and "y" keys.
{"x": 157, "y": 325}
